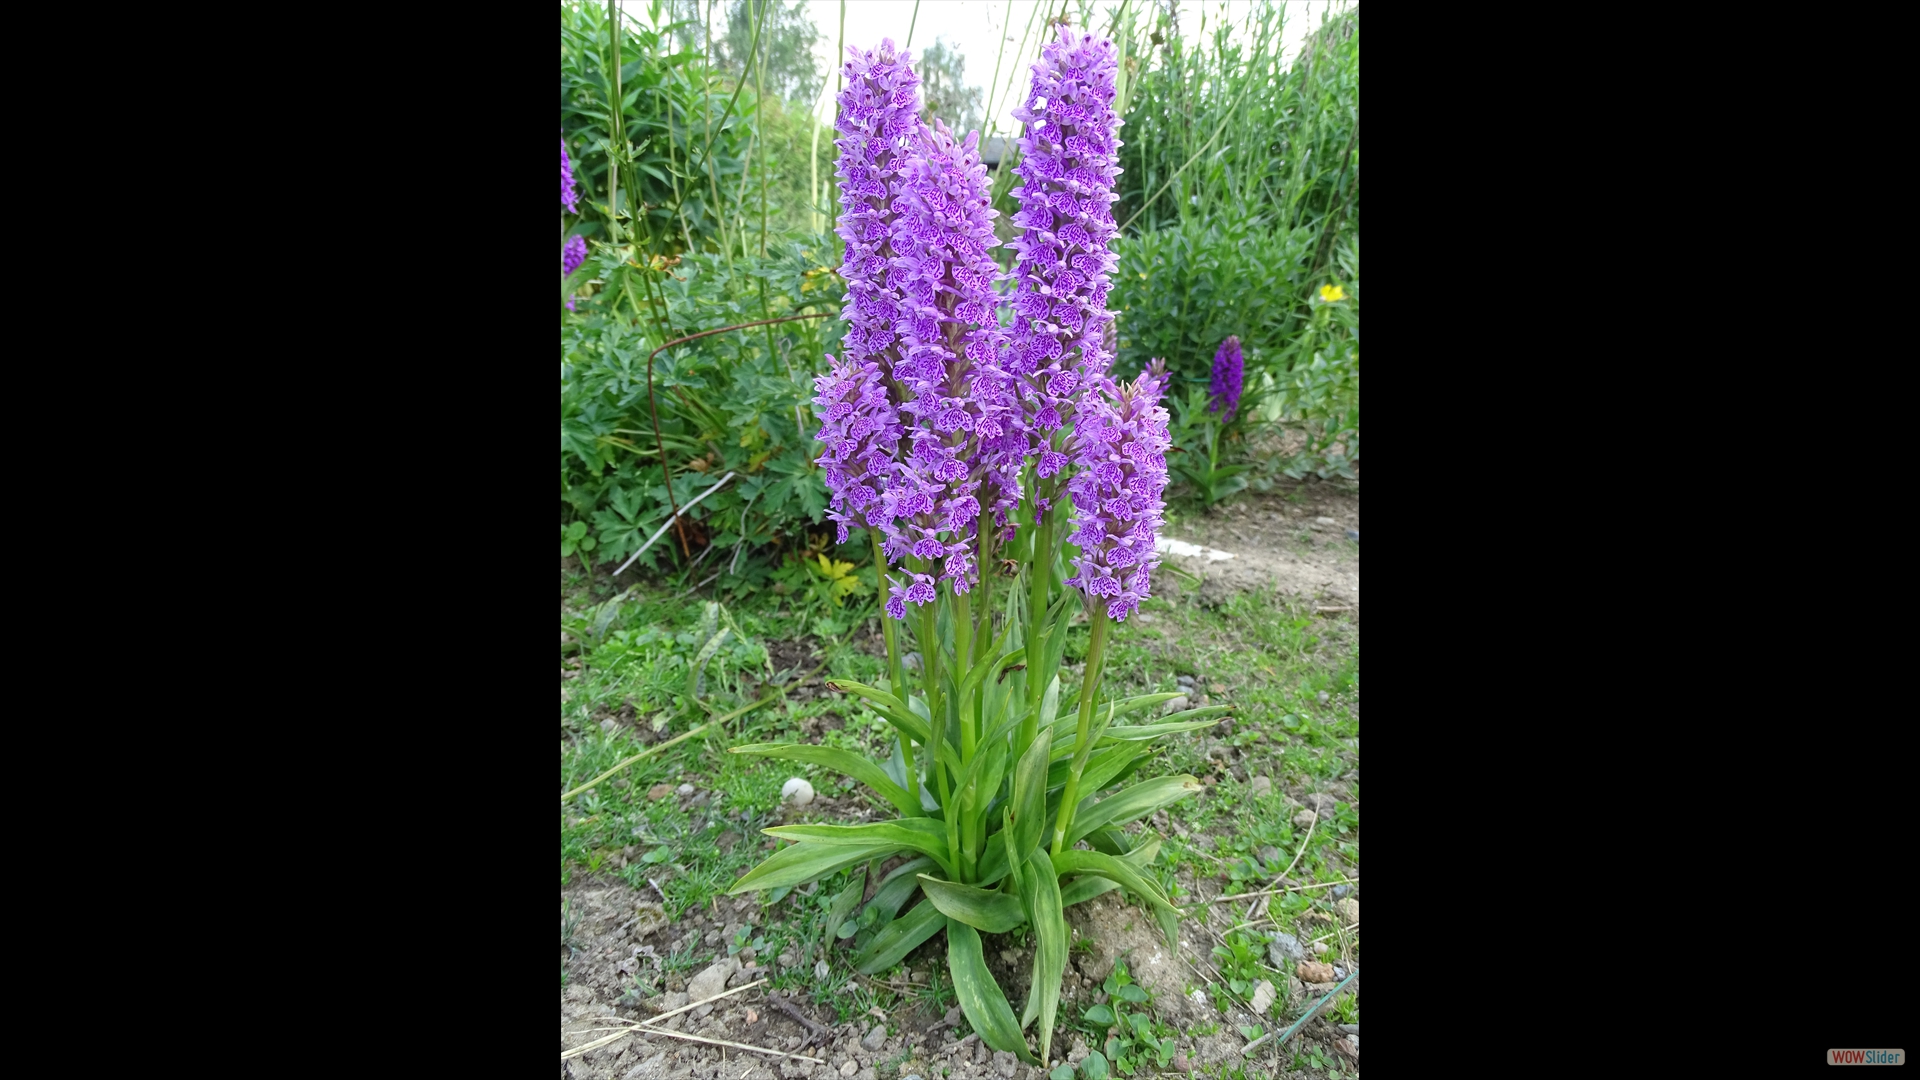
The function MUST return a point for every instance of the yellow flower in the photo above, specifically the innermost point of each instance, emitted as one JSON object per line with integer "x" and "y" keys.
{"x": 1331, "y": 293}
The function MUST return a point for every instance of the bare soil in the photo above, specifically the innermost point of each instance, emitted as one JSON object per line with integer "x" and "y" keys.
{"x": 1279, "y": 542}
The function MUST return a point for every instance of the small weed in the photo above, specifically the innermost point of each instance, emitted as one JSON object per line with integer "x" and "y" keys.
{"x": 1133, "y": 1039}
{"x": 1240, "y": 965}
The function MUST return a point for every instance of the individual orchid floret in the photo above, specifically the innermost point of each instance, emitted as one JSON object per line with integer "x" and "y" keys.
{"x": 1117, "y": 487}
{"x": 1228, "y": 368}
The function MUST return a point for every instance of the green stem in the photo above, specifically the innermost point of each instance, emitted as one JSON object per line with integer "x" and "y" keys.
{"x": 930, "y": 667}
{"x": 936, "y": 720}
{"x": 896, "y": 678}
{"x": 1096, "y": 653}
{"x": 969, "y": 738}
{"x": 1041, "y": 572}
{"x": 615, "y": 125}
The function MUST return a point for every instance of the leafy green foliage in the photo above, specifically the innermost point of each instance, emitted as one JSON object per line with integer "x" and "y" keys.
{"x": 786, "y": 52}
{"x": 1197, "y": 433}
{"x": 1242, "y": 176}
{"x": 574, "y": 538}
{"x": 1242, "y": 964}
{"x": 1133, "y": 1040}
{"x": 999, "y": 791}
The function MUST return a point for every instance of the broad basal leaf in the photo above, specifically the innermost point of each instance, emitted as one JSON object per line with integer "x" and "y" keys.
{"x": 802, "y": 863}
{"x": 1044, "y": 906}
{"x": 980, "y": 996}
{"x": 924, "y": 835}
{"x": 1131, "y": 803}
{"x": 983, "y": 909}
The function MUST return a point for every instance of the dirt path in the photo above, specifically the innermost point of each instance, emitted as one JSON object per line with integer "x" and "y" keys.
{"x": 1296, "y": 541}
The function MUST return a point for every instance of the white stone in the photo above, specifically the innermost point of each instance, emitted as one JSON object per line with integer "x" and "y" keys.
{"x": 796, "y": 791}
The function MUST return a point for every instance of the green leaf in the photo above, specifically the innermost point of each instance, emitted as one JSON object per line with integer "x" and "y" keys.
{"x": 1073, "y": 861}
{"x": 1169, "y": 923}
{"x": 1172, "y": 725}
{"x": 1050, "y": 703}
{"x": 1050, "y": 953}
{"x": 924, "y": 835}
{"x": 982, "y": 909}
{"x": 802, "y": 863}
{"x": 980, "y": 996}
{"x": 712, "y": 646}
{"x": 1144, "y": 701}
{"x": 1030, "y": 793}
{"x": 1100, "y": 1015}
{"x": 898, "y": 886}
{"x": 1095, "y": 1067}
{"x": 1063, "y": 1072}
{"x": 1102, "y": 766}
{"x": 1082, "y": 889}
{"x": 1130, "y": 803}
{"x": 841, "y": 761}
{"x": 848, "y": 899}
{"x": 896, "y": 711}
{"x": 902, "y": 936}
{"x": 1112, "y": 841}
{"x": 1132, "y": 992}
{"x": 1013, "y": 863}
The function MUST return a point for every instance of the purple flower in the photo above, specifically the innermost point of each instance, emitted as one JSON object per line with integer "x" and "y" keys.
{"x": 568, "y": 197}
{"x": 860, "y": 431}
{"x": 879, "y": 127}
{"x": 1119, "y": 478}
{"x": 571, "y": 256}
{"x": 967, "y": 442}
{"x": 1227, "y": 370}
{"x": 1059, "y": 344}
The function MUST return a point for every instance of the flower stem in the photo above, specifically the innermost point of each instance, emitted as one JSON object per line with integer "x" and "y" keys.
{"x": 937, "y": 721}
{"x": 896, "y": 677}
{"x": 1096, "y": 654}
{"x": 1041, "y": 572}
{"x": 963, "y": 709}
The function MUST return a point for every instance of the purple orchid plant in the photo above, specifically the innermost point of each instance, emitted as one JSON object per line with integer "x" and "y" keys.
{"x": 971, "y": 423}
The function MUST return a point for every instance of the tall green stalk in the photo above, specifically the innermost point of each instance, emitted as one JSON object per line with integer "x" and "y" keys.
{"x": 1040, "y": 570}
{"x": 937, "y": 722}
{"x": 969, "y": 736}
{"x": 1070, "y": 795}
{"x": 896, "y": 676}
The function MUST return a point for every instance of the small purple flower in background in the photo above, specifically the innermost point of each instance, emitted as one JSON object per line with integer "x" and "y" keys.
{"x": 1227, "y": 371}
{"x": 861, "y": 432}
{"x": 1117, "y": 490}
{"x": 966, "y": 442}
{"x": 571, "y": 257}
{"x": 1059, "y": 344}
{"x": 568, "y": 197}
